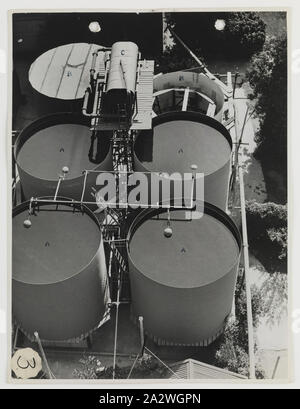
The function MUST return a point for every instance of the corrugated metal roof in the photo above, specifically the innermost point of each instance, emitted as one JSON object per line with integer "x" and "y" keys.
{"x": 192, "y": 369}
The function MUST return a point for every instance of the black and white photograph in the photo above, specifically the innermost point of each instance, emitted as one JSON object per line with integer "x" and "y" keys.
{"x": 149, "y": 196}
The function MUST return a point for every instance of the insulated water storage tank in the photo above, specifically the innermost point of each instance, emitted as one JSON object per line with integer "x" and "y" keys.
{"x": 180, "y": 140}
{"x": 59, "y": 279}
{"x": 183, "y": 284}
{"x": 53, "y": 142}
{"x": 123, "y": 67}
{"x": 122, "y": 76}
{"x": 202, "y": 94}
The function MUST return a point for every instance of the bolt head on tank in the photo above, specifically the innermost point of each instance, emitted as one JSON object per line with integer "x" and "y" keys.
{"x": 27, "y": 223}
{"x": 168, "y": 232}
{"x": 194, "y": 167}
{"x": 65, "y": 170}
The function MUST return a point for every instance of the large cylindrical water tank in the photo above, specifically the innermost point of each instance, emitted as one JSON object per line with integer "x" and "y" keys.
{"x": 183, "y": 285}
{"x": 179, "y": 140}
{"x": 59, "y": 280}
{"x": 56, "y": 141}
{"x": 207, "y": 93}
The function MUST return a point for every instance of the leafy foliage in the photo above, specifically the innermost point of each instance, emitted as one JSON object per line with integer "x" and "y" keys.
{"x": 146, "y": 367}
{"x": 246, "y": 32}
{"x": 274, "y": 293}
{"x": 232, "y": 353}
{"x": 268, "y": 79}
{"x": 91, "y": 367}
{"x": 243, "y": 35}
{"x": 267, "y": 234}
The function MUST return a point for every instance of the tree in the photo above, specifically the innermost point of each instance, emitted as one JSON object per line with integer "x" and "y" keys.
{"x": 232, "y": 352}
{"x": 243, "y": 35}
{"x": 268, "y": 79}
{"x": 274, "y": 293}
{"x": 267, "y": 234}
{"x": 245, "y": 32}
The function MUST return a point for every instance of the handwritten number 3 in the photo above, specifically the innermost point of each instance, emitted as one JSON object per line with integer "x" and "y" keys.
{"x": 28, "y": 363}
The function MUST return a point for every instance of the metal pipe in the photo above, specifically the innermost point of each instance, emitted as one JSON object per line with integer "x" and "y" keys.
{"x": 97, "y": 92}
{"x": 247, "y": 281}
{"x": 116, "y": 324}
{"x": 185, "y": 99}
{"x": 142, "y": 205}
{"x": 187, "y": 48}
{"x": 36, "y": 334}
{"x": 142, "y": 336}
{"x": 84, "y": 185}
{"x": 133, "y": 365}
{"x": 85, "y": 102}
{"x": 57, "y": 187}
{"x": 165, "y": 365}
{"x": 275, "y": 368}
{"x": 110, "y": 260}
{"x": 243, "y": 127}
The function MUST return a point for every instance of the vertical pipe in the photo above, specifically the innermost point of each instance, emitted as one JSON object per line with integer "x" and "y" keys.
{"x": 247, "y": 281}
{"x": 84, "y": 184}
{"x": 185, "y": 99}
{"x": 116, "y": 324}
{"x": 142, "y": 337}
{"x": 235, "y": 81}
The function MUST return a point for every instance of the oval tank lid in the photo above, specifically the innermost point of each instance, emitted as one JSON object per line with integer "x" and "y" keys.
{"x": 64, "y": 72}
{"x": 57, "y": 246}
{"x": 198, "y": 253}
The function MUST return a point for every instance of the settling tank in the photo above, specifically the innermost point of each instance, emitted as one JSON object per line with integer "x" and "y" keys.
{"x": 52, "y": 142}
{"x": 183, "y": 285}
{"x": 204, "y": 95}
{"x": 179, "y": 140}
{"x": 59, "y": 280}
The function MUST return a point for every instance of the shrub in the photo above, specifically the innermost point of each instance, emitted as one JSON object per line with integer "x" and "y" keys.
{"x": 232, "y": 352}
{"x": 146, "y": 367}
{"x": 267, "y": 234}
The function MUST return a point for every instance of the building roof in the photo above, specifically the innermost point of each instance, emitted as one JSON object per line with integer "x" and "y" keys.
{"x": 192, "y": 369}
